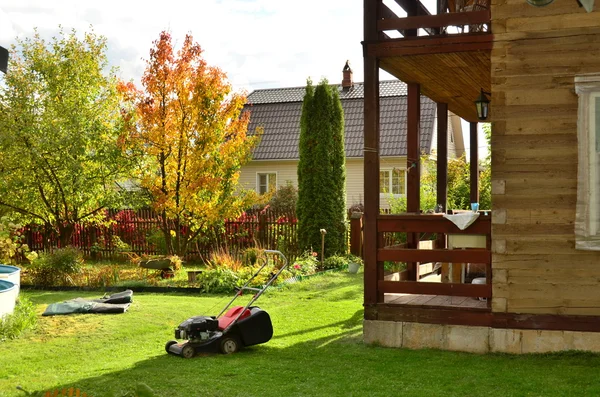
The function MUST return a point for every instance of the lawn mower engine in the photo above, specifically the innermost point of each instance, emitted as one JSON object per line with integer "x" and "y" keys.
{"x": 239, "y": 327}
{"x": 199, "y": 328}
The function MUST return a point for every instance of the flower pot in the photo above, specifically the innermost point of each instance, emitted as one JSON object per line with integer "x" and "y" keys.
{"x": 353, "y": 267}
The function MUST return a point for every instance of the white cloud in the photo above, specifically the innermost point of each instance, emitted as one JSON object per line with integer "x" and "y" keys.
{"x": 258, "y": 43}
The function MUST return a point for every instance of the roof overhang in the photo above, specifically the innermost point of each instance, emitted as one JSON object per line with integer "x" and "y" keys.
{"x": 450, "y": 69}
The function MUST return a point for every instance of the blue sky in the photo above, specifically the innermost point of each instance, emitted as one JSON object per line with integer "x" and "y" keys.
{"x": 258, "y": 43}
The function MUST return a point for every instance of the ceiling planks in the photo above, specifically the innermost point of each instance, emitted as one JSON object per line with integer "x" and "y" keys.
{"x": 452, "y": 78}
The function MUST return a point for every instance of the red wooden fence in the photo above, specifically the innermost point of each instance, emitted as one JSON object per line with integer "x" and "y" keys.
{"x": 140, "y": 230}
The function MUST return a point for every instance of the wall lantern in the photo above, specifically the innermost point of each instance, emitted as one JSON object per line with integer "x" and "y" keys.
{"x": 482, "y": 104}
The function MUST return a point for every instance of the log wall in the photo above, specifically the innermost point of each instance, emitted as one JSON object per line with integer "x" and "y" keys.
{"x": 536, "y": 54}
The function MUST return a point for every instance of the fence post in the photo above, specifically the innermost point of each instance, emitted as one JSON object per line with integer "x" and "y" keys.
{"x": 356, "y": 233}
{"x": 93, "y": 241}
{"x": 262, "y": 229}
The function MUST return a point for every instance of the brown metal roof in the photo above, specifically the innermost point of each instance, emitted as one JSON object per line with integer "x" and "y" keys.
{"x": 278, "y": 112}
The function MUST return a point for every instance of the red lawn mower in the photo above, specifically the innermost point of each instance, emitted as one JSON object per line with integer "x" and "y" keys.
{"x": 230, "y": 330}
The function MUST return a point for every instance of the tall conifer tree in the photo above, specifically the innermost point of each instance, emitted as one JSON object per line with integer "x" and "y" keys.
{"x": 321, "y": 171}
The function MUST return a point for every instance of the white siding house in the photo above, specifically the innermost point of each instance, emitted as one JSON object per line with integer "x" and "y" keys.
{"x": 275, "y": 159}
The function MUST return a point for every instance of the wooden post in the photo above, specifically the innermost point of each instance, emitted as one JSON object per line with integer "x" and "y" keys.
{"x": 442, "y": 8}
{"x": 262, "y": 229}
{"x": 412, "y": 10}
{"x": 371, "y": 155}
{"x": 474, "y": 164}
{"x": 442, "y": 155}
{"x": 356, "y": 233}
{"x": 413, "y": 144}
{"x": 442, "y": 165}
{"x": 93, "y": 241}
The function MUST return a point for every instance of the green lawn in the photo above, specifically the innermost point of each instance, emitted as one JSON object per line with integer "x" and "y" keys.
{"x": 316, "y": 351}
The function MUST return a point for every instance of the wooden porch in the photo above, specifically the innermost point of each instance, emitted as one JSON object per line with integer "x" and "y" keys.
{"x": 447, "y": 58}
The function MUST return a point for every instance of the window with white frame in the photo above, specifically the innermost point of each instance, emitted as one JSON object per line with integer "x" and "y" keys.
{"x": 266, "y": 182}
{"x": 392, "y": 181}
{"x": 587, "y": 214}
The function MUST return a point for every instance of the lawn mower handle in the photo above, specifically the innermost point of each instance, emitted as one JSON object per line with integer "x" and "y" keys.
{"x": 260, "y": 290}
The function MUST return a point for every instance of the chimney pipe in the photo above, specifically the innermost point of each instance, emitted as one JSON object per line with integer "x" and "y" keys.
{"x": 347, "y": 83}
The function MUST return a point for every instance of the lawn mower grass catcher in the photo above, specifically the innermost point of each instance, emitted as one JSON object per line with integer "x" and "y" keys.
{"x": 230, "y": 330}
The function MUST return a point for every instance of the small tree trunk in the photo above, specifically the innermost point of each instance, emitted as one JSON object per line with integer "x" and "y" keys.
{"x": 167, "y": 233}
{"x": 65, "y": 233}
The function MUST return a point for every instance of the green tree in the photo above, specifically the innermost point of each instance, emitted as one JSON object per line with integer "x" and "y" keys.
{"x": 321, "y": 171}
{"x": 485, "y": 178}
{"x": 284, "y": 199}
{"x": 61, "y": 132}
{"x": 193, "y": 134}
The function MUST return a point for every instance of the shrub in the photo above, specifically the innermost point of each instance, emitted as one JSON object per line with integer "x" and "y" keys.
{"x": 389, "y": 266}
{"x": 156, "y": 237}
{"x": 353, "y": 259}
{"x": 284, "y": 200}
{"x": 103, "y": 276}
{"x": 23, "y": 318}
{"x": 217, "y": 280}
{"x": 57, "y": 267}
{"x": 11, "y": 241}
{"x": 306, "y": 264}
{"x": 335, "y": 262}
{"x": 251, "y": 256}
{"x": 221, "y": 258}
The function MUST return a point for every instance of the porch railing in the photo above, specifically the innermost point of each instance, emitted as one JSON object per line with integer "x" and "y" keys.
{"x": 473, "y": 18}
{"x": 436, "y": 224}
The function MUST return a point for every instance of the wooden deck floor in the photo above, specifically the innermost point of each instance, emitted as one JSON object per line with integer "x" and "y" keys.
{"x": 415, "y": 300}
{"x": 434, "y": 300}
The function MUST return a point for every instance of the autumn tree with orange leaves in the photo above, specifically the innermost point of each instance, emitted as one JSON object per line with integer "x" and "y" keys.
{"x": 192, "y": 130}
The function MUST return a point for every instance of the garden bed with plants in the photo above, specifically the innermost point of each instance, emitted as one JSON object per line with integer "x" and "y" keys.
{"x": 222, "y": 272}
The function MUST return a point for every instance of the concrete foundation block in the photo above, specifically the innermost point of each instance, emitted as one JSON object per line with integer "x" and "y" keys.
{"x": 467, "y": 339}
{"x": 384, "y": 333}
{"x": 534, "y": 341}
{"x": 588, "y": 341}
{"x": 505, "y": 341}
{"x": 476, "y": 339}
{"x": 423, "y": 336}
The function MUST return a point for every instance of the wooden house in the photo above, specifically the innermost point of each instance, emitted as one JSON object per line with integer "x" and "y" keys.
{"x": 277, "y": 111}
{"x": 541, "y": 68}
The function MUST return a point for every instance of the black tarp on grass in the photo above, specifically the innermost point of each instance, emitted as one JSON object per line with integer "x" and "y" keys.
{"x": 116, "y": 303}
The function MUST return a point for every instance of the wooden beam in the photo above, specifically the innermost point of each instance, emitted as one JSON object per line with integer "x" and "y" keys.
{"x": 473, "y": 255}
{"x": 424, "y": 45}
{"x": 435, "y": 21}
{"x": 415, "y": 8}
{"x": 442, "y": 155}
{"x": 385, "y": 12}
{"x": 430, "y": 223}
{"x": 474, "y": 163}
{"x": 450, "y": 289}
{"x": 430, "y": 314}
{"x": 371, "y": 156}
{"x": 547, "y": 322}
{"x": 415, "y": 5}
{"x": 480, "y": 317}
